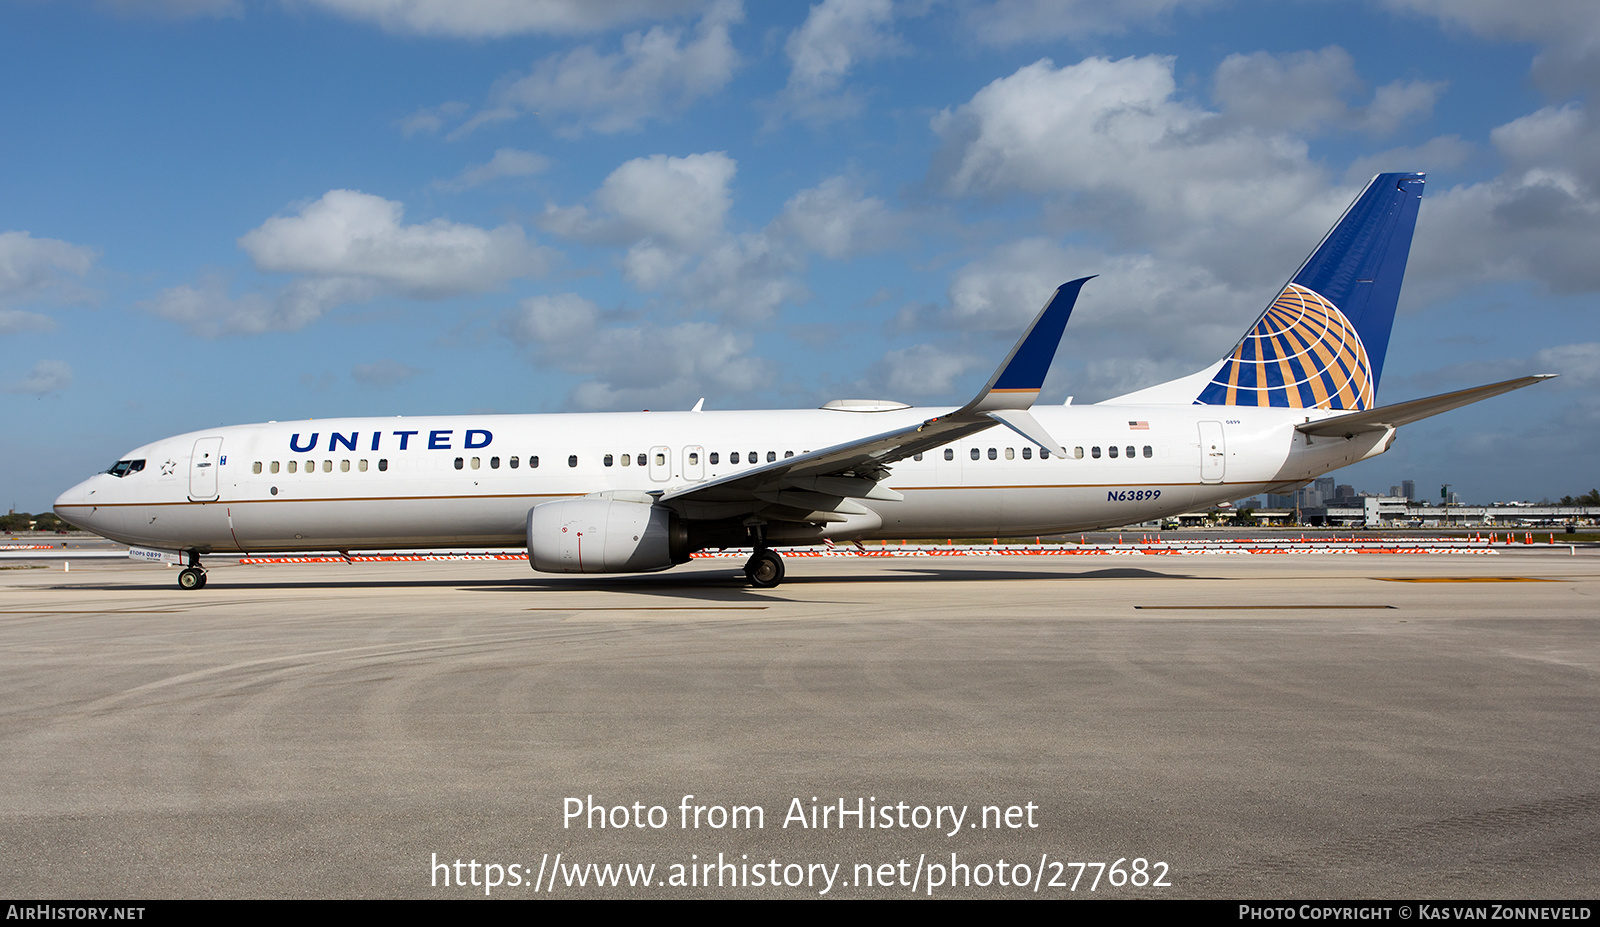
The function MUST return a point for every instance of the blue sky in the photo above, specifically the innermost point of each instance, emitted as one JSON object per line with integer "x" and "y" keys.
{"x": 223, "y": 211}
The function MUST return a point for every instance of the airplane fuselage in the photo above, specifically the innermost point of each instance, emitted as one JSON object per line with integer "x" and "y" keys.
{"x": 418, "y": 482}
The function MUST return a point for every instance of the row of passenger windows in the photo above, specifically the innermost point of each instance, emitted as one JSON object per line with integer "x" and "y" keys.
{"x": 476, "y": 463}
{"x": 626, "y": 460}
{"x": 1027, "y": 453}
{"x": 360, "y": 466}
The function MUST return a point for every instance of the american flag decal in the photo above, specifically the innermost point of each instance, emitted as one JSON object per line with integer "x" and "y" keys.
{"x": 1138, "y": 426}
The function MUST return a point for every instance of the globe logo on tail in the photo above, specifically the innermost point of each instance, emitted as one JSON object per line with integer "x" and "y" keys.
{"x": 1302, "y": 354}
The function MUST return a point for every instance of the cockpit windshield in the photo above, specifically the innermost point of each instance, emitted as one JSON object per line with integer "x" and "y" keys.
{"x": 124, "y": 467}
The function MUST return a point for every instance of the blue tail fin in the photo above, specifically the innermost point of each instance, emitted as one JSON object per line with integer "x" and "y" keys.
{"x": 1322, "y": 342}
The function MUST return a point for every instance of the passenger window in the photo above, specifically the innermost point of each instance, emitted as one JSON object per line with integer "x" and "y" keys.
{"x": 712, "y": 458}
{"x": 291, "y": 466}
{"x": 1149, "y": 451}
{"x": 734, "y": 457}
{"x": 992, "y": 454}
{"x": 788, "y": 454}
{"x": 477, "y": 462}
{"x": 256, "y": 468}
{"x": 641, "y": 460}
{"x": 344, "y": 466}
{"x": 606, "y": 460}
{"x": 694, "y": 458}
{"x": 533, "y": 462}
{"x": 1112, "y": 452}
{"x": 1130, "y": 452}
{"x": 383, "y": 464}
{"x": 460, "y": 463}
{"x": 661, "y": 459}
{"x": 327, "y": 466}
{"x": 494, "y": 463}
{"x": 1027, "y": 453}
{"x": 1077, "y": 453}
{"x": 1045, "y": 455}
{"x": 772, "y": 456}
{"x": 572, "y": 460}
{"x": 1011, "y": 453}
{"x": 362, "y": 466}
{"x": 274, "y": 467}
{"x": 1094, "y": 452}
{"x": 627, "y": 459}
{"x": 916, "y": 456}
{"x": 949, "y": 453}
{"x": 976, "y": 453}
{"x": 513, "y": 463}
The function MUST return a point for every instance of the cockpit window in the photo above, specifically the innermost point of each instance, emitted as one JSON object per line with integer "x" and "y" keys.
{"x": 124, "y": 467}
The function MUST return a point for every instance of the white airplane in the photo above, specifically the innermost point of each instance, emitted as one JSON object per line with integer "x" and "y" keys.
{"x": 638, "y": 492}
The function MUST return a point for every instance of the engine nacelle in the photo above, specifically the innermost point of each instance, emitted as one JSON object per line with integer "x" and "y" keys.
{"x": 604, "y": 536}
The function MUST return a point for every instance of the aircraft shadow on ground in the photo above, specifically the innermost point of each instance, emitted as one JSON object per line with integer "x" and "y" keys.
{"x": 720, "y": 586}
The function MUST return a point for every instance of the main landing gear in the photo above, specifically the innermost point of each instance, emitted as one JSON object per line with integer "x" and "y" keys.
{"x": 192, "y": 576}
{"x": 764, "y": 568}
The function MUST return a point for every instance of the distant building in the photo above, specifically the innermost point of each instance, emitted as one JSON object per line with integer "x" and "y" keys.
{"x": 1408, "y": 488}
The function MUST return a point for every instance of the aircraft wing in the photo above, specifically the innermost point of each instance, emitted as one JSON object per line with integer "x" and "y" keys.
{"x": 817, "y": 480}
{"x": 1404, "y": 413}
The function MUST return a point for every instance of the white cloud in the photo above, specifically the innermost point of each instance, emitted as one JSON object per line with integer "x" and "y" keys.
{"x": 836, "y": 219}
{"x": 1113, "y": 149}
{"x": 680, "y": 203}
{"x": 1436, "y": 154}
{"x": 13, "y": 321}
{"x": 747, "y": 278}
{"x": 924, "y": 370}
{"x": 507, "y": 162}
{"x": 1578, "y": 364}
{"x": 1568, "y": 31}
{"x": 656, "y": 74}
{"x": 836, "y": 36}
{"x": 632, "y": 364}
{"x": 47, "y": 376}
{"x": 1539, "y": 220}
{"x": 1013, "y": 22}
{"x": 351, "y": 234}
{"x": 431, "y": 119}
{"x": 495, "y": 18}
{"x": 559, "y": 319}
{"x": 209, "y": 312}
{"x": 672, "y": 215}
{"x": 38, "y": 268}
{"x": 383, "y": 373}
{"x": 1310, "y": 90}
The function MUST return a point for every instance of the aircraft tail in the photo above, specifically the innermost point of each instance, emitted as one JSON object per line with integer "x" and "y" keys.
{"x": 1321, "y": 343}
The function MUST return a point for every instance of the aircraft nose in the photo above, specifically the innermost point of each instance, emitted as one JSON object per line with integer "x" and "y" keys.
{"x": 75, "y": 504}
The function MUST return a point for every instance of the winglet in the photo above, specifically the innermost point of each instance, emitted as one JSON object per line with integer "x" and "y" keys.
{"x": 1018, "y": 381}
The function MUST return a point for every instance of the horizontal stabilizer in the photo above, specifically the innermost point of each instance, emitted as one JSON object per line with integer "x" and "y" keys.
{"x": 1404, "y": 413}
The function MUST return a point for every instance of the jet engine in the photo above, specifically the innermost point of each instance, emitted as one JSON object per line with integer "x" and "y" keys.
{"x": 605, "y": 535}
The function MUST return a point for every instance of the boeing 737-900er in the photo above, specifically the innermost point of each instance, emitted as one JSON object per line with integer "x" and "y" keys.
{"x": 638, "y": 492}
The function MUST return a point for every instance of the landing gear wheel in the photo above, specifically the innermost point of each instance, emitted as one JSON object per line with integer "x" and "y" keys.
{"x": 765, "y": 569}
{"x": 192, "y": 578}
